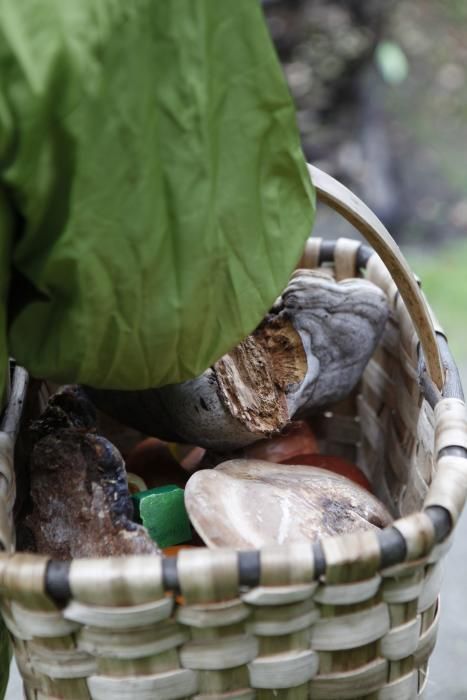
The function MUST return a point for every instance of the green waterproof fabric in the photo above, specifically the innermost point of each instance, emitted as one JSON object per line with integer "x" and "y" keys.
{"x": 153, "y": 194}
{"x": 154, "y": 197}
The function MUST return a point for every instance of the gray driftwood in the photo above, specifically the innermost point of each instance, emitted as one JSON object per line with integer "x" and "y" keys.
{"x": 309, "y": 351}
{"x": 250, "y": 503}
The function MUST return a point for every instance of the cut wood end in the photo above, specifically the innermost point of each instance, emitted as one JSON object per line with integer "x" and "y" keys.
{"x": 253, "y": 378}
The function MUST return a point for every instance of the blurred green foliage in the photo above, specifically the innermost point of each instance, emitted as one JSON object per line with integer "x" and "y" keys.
{"x": 456, "y": 8}
{"x": 444, "y": 280}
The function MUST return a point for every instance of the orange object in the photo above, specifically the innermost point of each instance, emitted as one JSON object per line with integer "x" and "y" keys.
{"x": 174, "y": 549}
{"x": 296, "y": 439}
{"x": 172, "y": 552}
{"x": 333, "y": 464}
{"x": 188, "y": 456}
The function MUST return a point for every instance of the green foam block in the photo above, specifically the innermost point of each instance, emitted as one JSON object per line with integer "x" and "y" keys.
{"x": 162, "y": 512}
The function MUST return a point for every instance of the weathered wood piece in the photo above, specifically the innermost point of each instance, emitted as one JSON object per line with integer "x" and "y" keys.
{"x": 80, "y": 503}
{"x": 250, "y": 503}
{"x": 310, "y": 350}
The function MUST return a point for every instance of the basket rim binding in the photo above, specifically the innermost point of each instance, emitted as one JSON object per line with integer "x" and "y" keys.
{"x": 393, "y": 546}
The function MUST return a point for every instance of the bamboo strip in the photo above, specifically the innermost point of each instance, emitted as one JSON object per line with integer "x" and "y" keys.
{"x": 418, "y": 532}
{"x": 401, "y": 613}
{"x": 51, "y": 645}
{"x": 224, "y": 681}
{"x": 422, "y": 681}
{"x": 65, "y": 688}
{"x": 376, "y": 380}
{"x": 122, "y": 580}
{"x": 163, "y": 686}
{"x": 351, "y": 630}
{"x": 351, "y": 684}
{"x": 409, "y": 339}
{"x": 351, "y": 557}
{"x": 310, "y": 257}
{"x": 72, "y": 664}
{"x": 398, "y": 457}
{"x": 22, "y": 658}
{"x": 404, "y": 588}
{"x": 299, "y": 693}
{"x": 296, "y": 641}
{"x": 132, "y": 643}
{"x": 405, "y": 408}
{"x": 210, "y": 655}
{"x": 40, "y": 624}
{"x": 440, "y": 550}
{"x": 11, "y": 421}
{"x": 449, "y": 487}
{"x": 450, "y": 424}
{"x": 121, "y": 617}
{"x": 23, "y": 580}
{"x": 22, "y": 635}
{"x": 207, "y": 575}
{"x": 283, "y": 670}
{"x": 401, "y": 641}
{"x": 279, "y": 595}
{"x": 6, "y": 526}
{"x": 141, "y": 666}
{"x": 404, "y": 688}
{"x": 390, "y": 343}
{"x": 345, "y": 258}
{"x": 285, "y": 619}
{"x": 372, "y": 427}
{"x": 291, "y": 565}
{"x": 7, "y": 489}
{"x": 348, "y": 593}
{"x": 377, "y": 272}
{"x": 357, "y": 213}
{"x": 241, "y": 694}
{"x": 431, "y": 587}
{"x": 427, "y": 642}
{"x": 214, "y": 615}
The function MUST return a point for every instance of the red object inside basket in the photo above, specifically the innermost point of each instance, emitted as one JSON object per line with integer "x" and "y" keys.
{"x": 296, "y": 439}
{"x": 333, "y": 464}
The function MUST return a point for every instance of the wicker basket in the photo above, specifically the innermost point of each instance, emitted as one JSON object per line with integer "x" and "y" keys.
{"x": 349, "y": 617}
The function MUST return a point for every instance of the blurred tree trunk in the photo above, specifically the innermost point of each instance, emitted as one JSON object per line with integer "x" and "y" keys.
{"x": 326, "y": 48}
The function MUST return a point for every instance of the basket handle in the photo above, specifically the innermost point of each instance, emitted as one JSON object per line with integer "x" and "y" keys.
{"x": 343, "y": 201}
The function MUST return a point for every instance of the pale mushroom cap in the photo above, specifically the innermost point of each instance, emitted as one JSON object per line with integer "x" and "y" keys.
{"x": 247, "y": 504}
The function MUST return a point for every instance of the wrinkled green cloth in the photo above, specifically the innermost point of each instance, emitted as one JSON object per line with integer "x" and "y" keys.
{"x": 154, "y": 195}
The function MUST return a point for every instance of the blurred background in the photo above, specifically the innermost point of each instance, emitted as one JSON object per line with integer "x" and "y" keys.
{"x": 381, "y": 93}
{"x": 380, "y": 88}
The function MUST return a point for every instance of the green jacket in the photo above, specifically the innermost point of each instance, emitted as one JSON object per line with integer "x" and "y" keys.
{"x": 153, "y": 194}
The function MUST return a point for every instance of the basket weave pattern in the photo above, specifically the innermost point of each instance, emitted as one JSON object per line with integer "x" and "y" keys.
{"x": 358, "y": 632}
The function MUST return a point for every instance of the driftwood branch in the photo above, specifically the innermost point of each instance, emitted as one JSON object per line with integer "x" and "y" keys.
{"x": 308, "y": 352}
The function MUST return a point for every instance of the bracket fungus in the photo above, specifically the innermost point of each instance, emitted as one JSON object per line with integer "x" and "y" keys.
{"x": 309, "y": 351}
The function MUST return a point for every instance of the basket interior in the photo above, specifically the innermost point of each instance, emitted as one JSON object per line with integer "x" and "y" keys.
{"x": 386, "y": 426}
